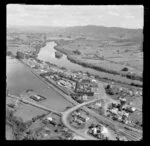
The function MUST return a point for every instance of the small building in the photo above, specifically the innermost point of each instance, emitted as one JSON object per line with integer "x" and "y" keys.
{"x": 141, "y": 93}
{"x": 49, "y": 118}
{"x": 81, "y": 118}
{"x": 37, "y": 97}
{"x": 104, "y": 131}
{"x": 94, "y": 130}
{"x": 51, "y": 121}
{"x": 99, "y": 104}
{"x": 133, "y": 109}
{"x": 130, "y": 92}
{"x": 114, "y": 110}
{"x": 84, "y": 97}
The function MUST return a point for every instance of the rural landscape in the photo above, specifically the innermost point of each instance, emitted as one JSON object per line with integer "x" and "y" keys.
{"x": 74, "y": 82}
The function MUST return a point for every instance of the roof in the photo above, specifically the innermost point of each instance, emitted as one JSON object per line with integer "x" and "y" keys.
{"x": 49, "y": 118}
{"x": 104, "y": 130}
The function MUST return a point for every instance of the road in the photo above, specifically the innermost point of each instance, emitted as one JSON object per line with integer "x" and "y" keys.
{"x": 111, "y": 123}
{"x": 34, "y": 104}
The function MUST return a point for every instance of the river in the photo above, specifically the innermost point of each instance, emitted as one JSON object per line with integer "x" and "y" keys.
{"x": 47, "y": 53}
{"x": 19, "y": 79}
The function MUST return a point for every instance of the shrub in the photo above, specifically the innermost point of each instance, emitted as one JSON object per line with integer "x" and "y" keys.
{"x": 58, "y": 54}
{"x": 77, "y": 52}
{"x": 19, "y": 55}
{"x": 9, "y": 53}
{"x": 125, "y": 69}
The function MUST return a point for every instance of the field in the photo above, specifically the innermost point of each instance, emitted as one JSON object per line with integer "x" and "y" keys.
{"x": 103, "y": 54}
{"x": 27, "y": 112}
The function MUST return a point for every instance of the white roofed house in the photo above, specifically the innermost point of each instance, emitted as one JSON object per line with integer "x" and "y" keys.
{"x": 114, "y": 110}
{"x": 133, "y": 109}
{"x": 104, "y": 131}
{"x": 99, "y": 104}
{"x": 84, "y": 97}
{"x": 130, "y": 92}
{"x": 49, "y": 118}
{"x": 94, "y": 130}
{"x": 38, "y": 97}
{"x": 141, "y": 93}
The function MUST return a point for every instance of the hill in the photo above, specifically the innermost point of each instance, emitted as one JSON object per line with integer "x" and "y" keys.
{"x": 100, "y": 32}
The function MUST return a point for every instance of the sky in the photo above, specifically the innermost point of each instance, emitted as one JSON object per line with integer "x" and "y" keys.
{"x": 125, "y": 16}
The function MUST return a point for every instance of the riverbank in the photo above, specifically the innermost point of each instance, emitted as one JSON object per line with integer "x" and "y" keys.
{"x": 98, "y": 68}
{"x": 129, "y": 79}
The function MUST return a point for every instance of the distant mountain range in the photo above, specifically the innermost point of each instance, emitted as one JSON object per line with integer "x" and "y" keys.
{"x": 88, "y": 30}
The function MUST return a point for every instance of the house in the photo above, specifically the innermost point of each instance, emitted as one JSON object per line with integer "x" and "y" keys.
{"x": 85, "y": 117}
{"x": 130, "y": 92}
{"x": 93, "y": 80}
{"x": 49, "y": 118}
{"x": 94, "y": 130}
{"x": 81, "y": 118}
{"x": 133, "y": 109}
{"x": 35, "y": 97}
{"x": 51, "y": 121}
{"x": 84, "y": 97}
{"x": 114, "y": 110}
{"x": 104, "y": 131}
{"x": 141, "y": 93}
{"x": 99, "y": 104}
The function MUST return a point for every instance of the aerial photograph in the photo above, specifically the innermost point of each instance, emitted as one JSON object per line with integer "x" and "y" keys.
{"x": 74, "y": 72}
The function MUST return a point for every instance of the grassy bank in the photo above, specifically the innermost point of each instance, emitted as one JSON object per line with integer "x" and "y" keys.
{"x": 102, "y": 69}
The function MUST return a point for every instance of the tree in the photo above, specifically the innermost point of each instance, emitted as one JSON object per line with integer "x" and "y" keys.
{"x": 19, "y": 55}
{"x": 125, "y": 69}
{"x": 141, "y": 47}
{"x": 9, "y": 53}
{"x": 58, "y": 54}
{"x": 77, "y": 52}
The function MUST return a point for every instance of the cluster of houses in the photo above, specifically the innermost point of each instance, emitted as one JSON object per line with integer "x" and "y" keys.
{"x": 79, "y": 119}
{"x": 83, "y": 88}
{"x": 80, "y": 98}
{"x": 53, "y": 128}
{"x": 112, "y": 89}
{"x": 120, "y": 111}
{"x": 75, "y": 81}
